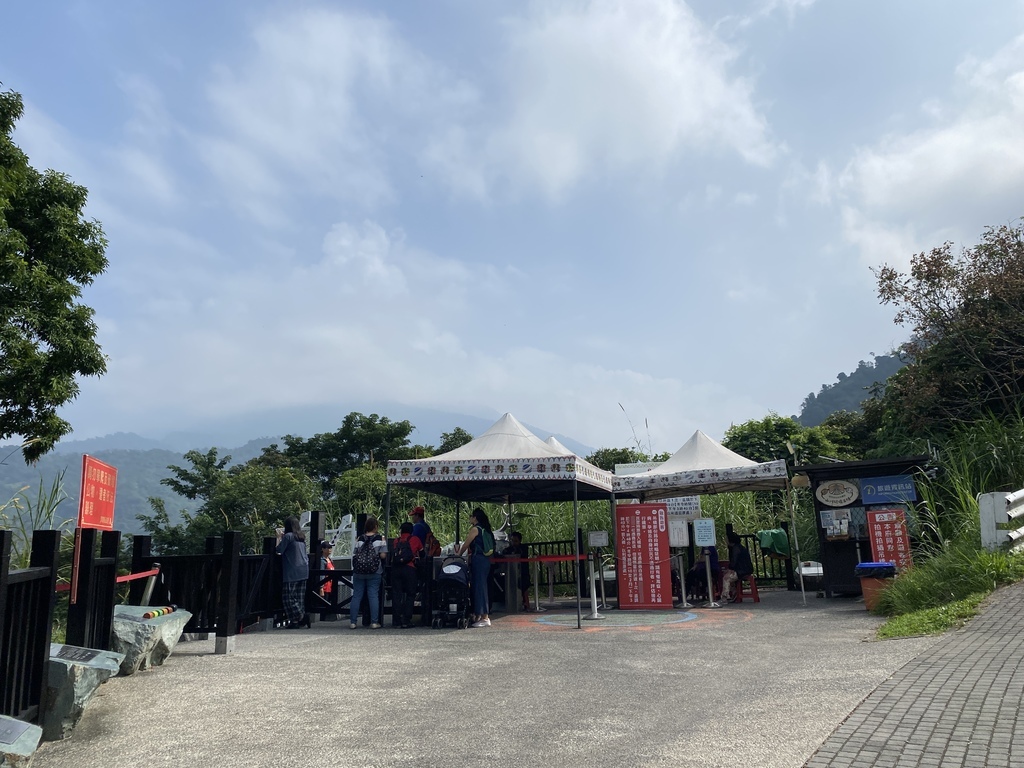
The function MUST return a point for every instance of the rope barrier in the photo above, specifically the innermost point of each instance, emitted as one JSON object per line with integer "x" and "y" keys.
{"x": 120, "y": 579}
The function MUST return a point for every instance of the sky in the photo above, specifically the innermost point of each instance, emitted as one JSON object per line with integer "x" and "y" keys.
{"x": 622, "y": 220}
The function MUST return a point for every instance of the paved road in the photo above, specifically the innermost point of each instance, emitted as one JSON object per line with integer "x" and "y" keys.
{"x": 743, "y": 685}
{"x": 955, "y": 704}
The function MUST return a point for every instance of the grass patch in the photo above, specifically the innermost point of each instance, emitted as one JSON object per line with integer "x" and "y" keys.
{"x": 932, "y": 621}
{"x": 959, "y": 572}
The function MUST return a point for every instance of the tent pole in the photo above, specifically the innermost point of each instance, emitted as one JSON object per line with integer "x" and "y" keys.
{"x": 387, "y": 512}
{"x": 796, "y": 543}
{"x": 576, "y": 545}
{"x": 458, "y": 512}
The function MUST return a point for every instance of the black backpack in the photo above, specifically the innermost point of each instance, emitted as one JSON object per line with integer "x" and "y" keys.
{"x": 366, "y": 558}
{"x": 401, "y": 553}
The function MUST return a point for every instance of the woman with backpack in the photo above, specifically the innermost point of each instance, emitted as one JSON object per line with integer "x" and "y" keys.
{"x": 480, "y": 544}
{"x": 367, "y": 571}
{"x": 404, "y": 552}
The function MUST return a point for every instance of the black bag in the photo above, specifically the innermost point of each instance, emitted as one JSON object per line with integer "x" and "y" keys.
{"x": 401, "y": 553}
{"x": 366, "y": 559}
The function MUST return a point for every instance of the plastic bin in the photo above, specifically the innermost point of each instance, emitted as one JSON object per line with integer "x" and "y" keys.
{"x": 874, "y": 578}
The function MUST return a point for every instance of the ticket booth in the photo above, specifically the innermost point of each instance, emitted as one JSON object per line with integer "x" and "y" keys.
{"x": 849, "y": 496}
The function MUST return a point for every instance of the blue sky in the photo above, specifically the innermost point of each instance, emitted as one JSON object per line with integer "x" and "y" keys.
{"x": 547, "y": 208}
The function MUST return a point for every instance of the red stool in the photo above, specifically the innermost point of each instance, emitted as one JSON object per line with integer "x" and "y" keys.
{"x": 753, "y": 589}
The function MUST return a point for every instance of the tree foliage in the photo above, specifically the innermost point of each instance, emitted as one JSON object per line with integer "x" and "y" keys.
{"x": 360, "y": 440}
{"x": 966, "y": 353}
{"x": 48, "y": 252}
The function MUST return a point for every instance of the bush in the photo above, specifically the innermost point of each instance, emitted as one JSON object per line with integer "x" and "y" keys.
{"x": 955, "y": 574}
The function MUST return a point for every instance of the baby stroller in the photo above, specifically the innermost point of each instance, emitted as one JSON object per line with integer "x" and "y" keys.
{"x": 451, "y": 594}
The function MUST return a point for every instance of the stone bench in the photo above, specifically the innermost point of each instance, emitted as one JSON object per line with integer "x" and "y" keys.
{"x": 18, "y": 742}
{"x": 145, "y": 642}
{"x": 73, "y": 675}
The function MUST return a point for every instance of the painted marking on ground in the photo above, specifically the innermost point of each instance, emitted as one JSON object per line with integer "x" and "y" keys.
{"x": 642, "y": 621}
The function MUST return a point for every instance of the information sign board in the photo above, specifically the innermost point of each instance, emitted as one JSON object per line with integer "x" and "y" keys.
{"x": 887, "y": 530}
{"x": 678, "y": 532}
{"x": 96, "y": 503}
{"x": 598, "y": 539}
{"x": 704, "y": 532}
{"x": 642, "y": 547}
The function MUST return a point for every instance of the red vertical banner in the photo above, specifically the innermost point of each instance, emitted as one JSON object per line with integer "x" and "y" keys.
{"x": 641, "y": 545}
{"x": 96, "y": 504}
{"x": 890, "y": 543}
{"x": 95, "y": 507}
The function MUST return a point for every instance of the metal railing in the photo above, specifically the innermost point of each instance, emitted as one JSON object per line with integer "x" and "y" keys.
{"x": 997, "y": 512}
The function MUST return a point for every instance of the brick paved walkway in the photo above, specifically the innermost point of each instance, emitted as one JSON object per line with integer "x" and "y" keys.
{"x": 954, "y": 705}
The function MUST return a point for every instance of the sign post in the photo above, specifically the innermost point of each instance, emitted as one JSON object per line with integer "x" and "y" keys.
{"x": 95, "y": 507}
{"x": 704, "y": 536}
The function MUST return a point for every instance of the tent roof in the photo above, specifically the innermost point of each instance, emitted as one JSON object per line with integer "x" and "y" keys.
{"x": 506, "y": 463}
{"x": 702, "y": 466}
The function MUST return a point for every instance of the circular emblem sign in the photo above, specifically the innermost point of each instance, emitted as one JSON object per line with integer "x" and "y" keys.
{"x": 837, "y": 493}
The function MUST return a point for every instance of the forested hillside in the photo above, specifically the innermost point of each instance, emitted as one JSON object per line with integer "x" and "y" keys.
{"x": 138, "y": 477}
{"x": 849, "y": 391}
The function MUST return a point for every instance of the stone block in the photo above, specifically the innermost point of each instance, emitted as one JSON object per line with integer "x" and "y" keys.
{"x": 18, "y": 742}
{"x": 145, "y": 642}
{"x": 73, "y": 676}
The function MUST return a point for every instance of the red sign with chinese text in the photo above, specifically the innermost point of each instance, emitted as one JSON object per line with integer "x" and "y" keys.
{"x": 644, "y": 565}
{"x": 887, "y": 529}
{"x": 96, "y": 504}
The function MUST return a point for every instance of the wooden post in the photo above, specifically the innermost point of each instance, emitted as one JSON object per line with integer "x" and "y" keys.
{"x": 142, "y": 547}
{"x": 227, "y": 588}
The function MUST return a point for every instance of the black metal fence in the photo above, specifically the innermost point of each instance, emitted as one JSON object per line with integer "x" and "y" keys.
{"x": 27, "y": 599}
{"x": 91, "y": 605}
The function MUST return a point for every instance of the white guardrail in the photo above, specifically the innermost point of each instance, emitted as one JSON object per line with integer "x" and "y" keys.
{"x": 998, "y": 510}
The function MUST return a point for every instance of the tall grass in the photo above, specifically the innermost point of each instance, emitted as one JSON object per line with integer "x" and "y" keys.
{"x": 25, "y": 513}
{"x": 951, "y": 565}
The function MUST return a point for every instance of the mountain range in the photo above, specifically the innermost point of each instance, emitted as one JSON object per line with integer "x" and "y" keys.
{"x": 142, "y": 462}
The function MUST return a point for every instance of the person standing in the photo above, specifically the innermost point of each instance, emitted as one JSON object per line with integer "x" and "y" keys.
{"x": 368, "y": 584}
{"x": 291, "y": 546}
{"x": 430, "y": 549}
{"x": 404, "y": 552}
{"x": 516, "y": 549}
{"x": 480, "y": 544}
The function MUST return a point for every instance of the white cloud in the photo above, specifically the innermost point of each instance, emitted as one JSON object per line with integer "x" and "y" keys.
{"x": 616, "y": 86}
{"x": 949, "y": 180}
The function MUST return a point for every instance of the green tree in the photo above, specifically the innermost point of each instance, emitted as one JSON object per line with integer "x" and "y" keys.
{"x": 48, "y": 251}
{"x": 780, "y": 437}
{"x": 607, "y": 458}
{"x": 966, "y": 352}
{"x": 360, "y": 440}
{"x": 457, "y": 438}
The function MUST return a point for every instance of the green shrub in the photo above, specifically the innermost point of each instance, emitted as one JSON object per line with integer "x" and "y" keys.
{"x": 954, "y": 574}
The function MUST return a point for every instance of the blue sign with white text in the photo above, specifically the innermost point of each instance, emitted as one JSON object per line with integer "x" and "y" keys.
{"x": 887, "y": 490}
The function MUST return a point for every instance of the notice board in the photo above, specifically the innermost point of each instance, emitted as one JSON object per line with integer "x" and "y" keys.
{"x": 887, "y": 529}
{"x": 644, "y": 567}
{"x": 99, "y": 486}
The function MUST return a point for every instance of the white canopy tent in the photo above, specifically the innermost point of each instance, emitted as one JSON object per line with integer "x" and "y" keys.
{"x": 702, "y": 466}
{"x": 705, "y": 466}
{"x": 507, "y": 464}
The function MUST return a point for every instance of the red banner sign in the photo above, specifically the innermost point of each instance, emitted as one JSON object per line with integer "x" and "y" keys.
{"x": 887, "y": 529}
{"x": 96, "y": 504}
{"x": 641, "y": 544}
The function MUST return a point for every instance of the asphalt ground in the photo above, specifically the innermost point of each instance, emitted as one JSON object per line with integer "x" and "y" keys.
{"x": 742, "y": 685}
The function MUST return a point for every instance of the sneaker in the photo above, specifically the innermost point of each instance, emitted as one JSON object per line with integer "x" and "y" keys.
{"x": 375, "y": 626}
{"x": 481, "y": 623}
{"x": 351, "y": 626}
